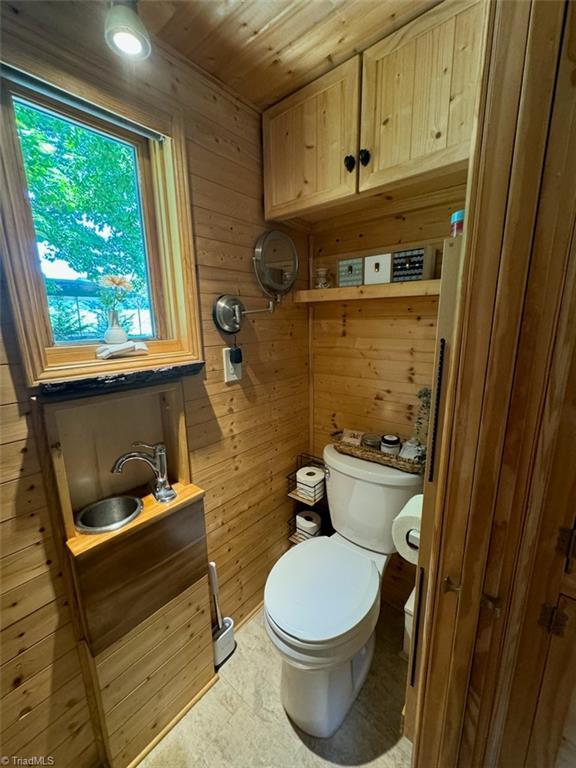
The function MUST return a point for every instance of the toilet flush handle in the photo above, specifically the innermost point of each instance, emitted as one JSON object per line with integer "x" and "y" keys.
{"x": 326, "y": 472}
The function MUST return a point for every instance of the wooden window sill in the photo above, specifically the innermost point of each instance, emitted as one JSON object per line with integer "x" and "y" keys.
{"x": 110, "y": 380}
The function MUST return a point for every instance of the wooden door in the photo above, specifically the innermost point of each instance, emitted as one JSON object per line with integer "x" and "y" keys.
{"x": 553, "y": 739}
{"x": 566, "y": 755}
{"x": 533, "y": 490}
{"x": 419, "y": 90}
{"x": 534, "y": 717}
{"x": 524, "y": 44}
{"x": 307, "y": 138}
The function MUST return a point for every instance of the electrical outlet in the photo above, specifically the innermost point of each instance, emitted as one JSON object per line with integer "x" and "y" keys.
{"x": 232, "y": 371}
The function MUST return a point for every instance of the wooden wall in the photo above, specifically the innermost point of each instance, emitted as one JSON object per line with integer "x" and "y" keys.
{"x": 243, "y": 438}
{"x": 368, "y": 360}
{"x": 149, "y": 676}
{"x": 43, "y": 705}
{"x": 370, "y": 357}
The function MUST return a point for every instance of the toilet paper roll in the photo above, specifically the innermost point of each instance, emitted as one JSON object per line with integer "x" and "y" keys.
{"x": 308, "y": 522}
{"x": 408, "y": 520}
{"x": 310, "y": 476}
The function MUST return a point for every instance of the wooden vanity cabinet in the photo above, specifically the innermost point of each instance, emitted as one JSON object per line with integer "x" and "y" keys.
{"x": 307, "y": 138}
{"x": 418, "y": 96}
{"x": 122, "y": 582}
{"x": 413, "y": 116}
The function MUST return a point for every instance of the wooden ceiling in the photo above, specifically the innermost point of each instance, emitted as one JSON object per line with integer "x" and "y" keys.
{"x": 266, "y": 49}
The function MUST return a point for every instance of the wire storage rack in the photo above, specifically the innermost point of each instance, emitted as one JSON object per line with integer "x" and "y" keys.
{"x": 320, "y": 503}
{"x": 318, "y": 492}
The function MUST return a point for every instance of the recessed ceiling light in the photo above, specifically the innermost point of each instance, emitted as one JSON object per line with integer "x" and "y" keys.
{"x": 125, "y": 33}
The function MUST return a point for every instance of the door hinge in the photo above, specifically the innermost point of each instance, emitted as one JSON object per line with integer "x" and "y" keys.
{"x": 566, "y": 545}
{"x": 553, "y": 619}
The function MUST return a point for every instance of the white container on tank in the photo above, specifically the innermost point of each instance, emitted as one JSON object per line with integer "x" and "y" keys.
{"x": 365, "y": 497}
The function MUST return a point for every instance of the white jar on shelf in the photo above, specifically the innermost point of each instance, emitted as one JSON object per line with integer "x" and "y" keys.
{"x": 390, "y": 444}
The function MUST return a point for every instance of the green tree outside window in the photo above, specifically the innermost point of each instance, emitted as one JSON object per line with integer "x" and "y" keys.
{"x": 86, "y": 207}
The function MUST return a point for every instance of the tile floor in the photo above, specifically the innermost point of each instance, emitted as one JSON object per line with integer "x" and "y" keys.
{"x": 240, "y": 722}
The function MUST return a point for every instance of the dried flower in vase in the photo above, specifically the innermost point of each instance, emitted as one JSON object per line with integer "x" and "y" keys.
{"x": 115, "y": 289}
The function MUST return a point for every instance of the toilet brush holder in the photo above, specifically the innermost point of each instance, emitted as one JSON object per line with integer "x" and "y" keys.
{"x": 223, "y": 641}
{"x": 223, "y": 635}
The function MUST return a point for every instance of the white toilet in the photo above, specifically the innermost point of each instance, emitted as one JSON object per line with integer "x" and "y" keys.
{"x": 322, "y": 598}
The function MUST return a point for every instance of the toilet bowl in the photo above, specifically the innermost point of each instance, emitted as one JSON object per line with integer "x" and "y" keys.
{"x": 322, "y": 598}
{"x": 323, "y": 629}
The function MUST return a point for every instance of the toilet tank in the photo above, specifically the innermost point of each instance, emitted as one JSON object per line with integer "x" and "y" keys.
{"x": 365, "y": 497}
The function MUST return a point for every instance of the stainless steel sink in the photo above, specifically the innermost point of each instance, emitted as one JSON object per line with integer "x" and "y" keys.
{"x": 108, "y": 514}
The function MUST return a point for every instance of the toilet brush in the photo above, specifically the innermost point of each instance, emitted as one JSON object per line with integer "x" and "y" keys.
{"x": 223, "y": 635}
{"x": 213, "y": 576}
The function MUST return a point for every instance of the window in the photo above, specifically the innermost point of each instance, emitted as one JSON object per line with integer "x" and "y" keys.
{"x": 84, "y": 187}
{"x": 97, "y": 220}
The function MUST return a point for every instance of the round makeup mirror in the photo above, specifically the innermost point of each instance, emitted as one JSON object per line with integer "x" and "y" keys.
{"x": 275, "y": 263}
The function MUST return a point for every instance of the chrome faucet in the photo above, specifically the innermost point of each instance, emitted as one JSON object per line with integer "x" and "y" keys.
{"x": 162, "y": 489}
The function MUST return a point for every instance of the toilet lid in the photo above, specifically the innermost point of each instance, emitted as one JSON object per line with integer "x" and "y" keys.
{"x": 320, "y": 590}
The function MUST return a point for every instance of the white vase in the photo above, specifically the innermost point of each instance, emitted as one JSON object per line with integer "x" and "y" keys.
{"x": 115, "y": 334}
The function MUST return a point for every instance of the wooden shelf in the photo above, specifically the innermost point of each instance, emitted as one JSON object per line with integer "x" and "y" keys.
{"x": 152, "y": 511}
{"x": 303, "y": 500}
{"x": 384, "y": 291}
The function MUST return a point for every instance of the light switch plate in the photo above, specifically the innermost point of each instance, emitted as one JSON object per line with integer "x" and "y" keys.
{"x": 232, "y": 371}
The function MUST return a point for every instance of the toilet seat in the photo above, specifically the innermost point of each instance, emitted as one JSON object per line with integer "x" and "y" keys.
{"x": 310, "y": 656}
{"x": 321, "y": 594}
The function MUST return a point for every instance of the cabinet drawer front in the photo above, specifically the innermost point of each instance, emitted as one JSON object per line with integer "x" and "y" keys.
{"x": 418, "y": 95}
{"x": 120, "y": 585}
{"x": 306, "y": 138}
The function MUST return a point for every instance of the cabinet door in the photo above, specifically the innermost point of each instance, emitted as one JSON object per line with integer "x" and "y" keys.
{"x": 418, "y": 95}
{"x": 306, "y": 139}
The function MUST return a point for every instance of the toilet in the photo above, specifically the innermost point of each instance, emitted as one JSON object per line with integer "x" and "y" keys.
{"x": 322, "y": 598}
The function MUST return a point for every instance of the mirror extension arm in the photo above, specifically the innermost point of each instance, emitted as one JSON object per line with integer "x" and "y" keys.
{"x": 228, "y": 313}
{"x": 241, "y": 312}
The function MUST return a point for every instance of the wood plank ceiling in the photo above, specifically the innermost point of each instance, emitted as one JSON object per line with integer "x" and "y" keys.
{"x": 266, "y": 49}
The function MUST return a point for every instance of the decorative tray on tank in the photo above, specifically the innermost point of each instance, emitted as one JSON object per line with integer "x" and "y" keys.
{"x": 413, "y": 466}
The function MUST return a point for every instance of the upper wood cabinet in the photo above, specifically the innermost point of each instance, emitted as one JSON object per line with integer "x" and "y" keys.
{"x": 419, "y": 93}
{"x": 306, "y": 140}
{"x": 414, "y": 115}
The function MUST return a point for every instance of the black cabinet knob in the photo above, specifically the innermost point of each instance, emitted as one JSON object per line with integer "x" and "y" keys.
{"x": 349, "y": 163}
{"x": 364, "y": 156}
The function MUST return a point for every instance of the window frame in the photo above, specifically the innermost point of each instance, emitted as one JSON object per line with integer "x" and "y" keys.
{"x": 165, "y": 201}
